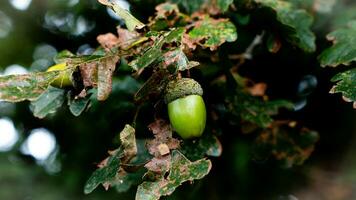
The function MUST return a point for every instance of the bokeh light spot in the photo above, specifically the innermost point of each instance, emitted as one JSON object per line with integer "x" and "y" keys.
{"x": 39, "y": 144}
{"x": 8, "y": 134}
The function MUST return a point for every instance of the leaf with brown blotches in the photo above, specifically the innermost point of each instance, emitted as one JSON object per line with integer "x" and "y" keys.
{"x": 166, "y": 9}
{"x": 345, "y": 83}
{"x": 286, "y": 142}
{"x": 181, "y": 170}
{"x": 212, "y": 33}
{"x": 16, "y": 88}
{"x": 110, "y": 167}
{"x": 107, "y": 172}
{"x": 178, "y": 59}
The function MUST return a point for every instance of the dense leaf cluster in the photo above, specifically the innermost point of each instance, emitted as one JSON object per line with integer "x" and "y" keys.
{"x": 170, "y": 45}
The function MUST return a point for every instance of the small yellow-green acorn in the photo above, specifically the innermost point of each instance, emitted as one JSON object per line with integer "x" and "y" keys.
{"x": 63, "y": 80}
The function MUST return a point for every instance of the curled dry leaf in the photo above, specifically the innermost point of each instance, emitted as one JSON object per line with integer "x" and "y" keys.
{"x": 106, "y": 70}
{"x": 98, "y": 73}
{"x": 131, "y": 22}
{"x": 89, "y": 74}
{"x": 128, "y": 142}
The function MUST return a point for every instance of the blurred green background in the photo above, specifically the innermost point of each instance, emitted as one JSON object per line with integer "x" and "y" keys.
{"x": 53, "y": 157}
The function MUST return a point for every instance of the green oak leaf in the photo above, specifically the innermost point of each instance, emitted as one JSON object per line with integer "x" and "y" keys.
{"x": 48, "y": 102}
{"x": 133, "y": 173}
{"x": 131, "y": 22}
{"x": 77, "y": 106}
{"x": 346, "y": 85}
{"x": 343, "y": 50}
{"x": 111, "y": 166}
{"x": 224, "y": 4}
{"x": 153, "y": 87}
{"x": 66, "y": 56}
{"x": 194, "y": 5}
{"x": 106, "y": 173}
{"x": 63, "y": 56}
{"x": 207, "y": 145}
{"x": 254, "y": 109}
{"x": 124, "y": 181}
{"x": 296, "y": 21}
{"x": 190, "y": 5}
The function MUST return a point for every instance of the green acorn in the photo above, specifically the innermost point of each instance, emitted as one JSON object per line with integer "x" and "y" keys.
{"x": 63, "y": 80}
{"x": 186, "y": 107}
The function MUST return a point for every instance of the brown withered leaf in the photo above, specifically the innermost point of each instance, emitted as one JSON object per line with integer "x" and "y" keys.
{"x": 274, "y": 43}
{"x": 126, "y": 37}
{"x": 159, "y": 164}
{"x": 258, "y": 89}
{"x": 123, "y": 40}
{"x": 106, "y": 68}
{"x": 162, "y": 132}
{"x": 108, "y": 41}
{"x": 103, "y": 163}
{"x": 89, "y": 74}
